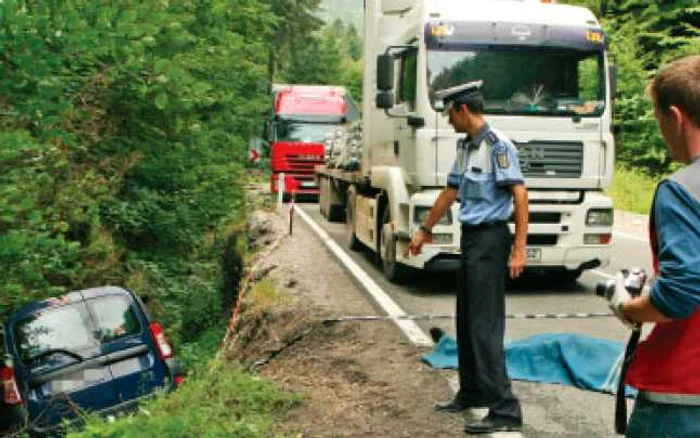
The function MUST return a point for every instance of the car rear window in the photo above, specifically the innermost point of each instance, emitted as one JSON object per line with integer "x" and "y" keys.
{"x": 66, "y": 327}
{"x": 115, "y": 317}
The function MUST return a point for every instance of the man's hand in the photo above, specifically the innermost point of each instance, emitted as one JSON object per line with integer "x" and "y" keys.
{"x": 518, "y": 259}
{"x": 618, "y": 299}
{"x": 419, "y": 238}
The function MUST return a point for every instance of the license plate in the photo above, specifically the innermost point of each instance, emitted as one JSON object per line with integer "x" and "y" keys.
{"x": 534, "y": 254}
{"x": 308, "y": 184}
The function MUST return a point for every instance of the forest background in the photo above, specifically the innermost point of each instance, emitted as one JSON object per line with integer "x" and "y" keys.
{"x": 124, "y": 132}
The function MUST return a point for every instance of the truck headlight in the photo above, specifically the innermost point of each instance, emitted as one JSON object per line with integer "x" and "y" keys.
{"x": 600, "y": 217}
{"x": 420, "y": 214}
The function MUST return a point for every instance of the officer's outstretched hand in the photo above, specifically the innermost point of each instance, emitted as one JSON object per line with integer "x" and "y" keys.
{"x": 419, "y": 238}
{"x": 518, "y": 259}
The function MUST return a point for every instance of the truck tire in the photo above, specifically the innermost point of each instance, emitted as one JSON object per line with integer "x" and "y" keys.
{"x": 353, "y": 242}
{"x": 394, "y": 271}
{"x": 336, "y": 213}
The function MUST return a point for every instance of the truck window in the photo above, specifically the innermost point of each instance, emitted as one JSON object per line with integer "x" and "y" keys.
{"x": 287, "y": 130}
{"x": 115, "y": 317}
{"x": 407, "y": 78}
{"x": 531, "y": 81}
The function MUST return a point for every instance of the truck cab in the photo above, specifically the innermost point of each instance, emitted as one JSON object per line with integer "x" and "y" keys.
{"x": 548, "y": 86}
{"x": 303, "y": 118}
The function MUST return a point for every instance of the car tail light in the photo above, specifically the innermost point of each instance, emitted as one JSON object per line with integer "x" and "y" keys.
{"x": 164, "y": 349}
{"x": 179, "y": 380}
{"x": 9, "y": 386}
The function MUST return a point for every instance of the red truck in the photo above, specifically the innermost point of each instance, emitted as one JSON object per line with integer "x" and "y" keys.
{"x": 302, "y": 118}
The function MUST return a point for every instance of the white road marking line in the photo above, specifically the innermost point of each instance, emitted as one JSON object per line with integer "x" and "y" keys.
{"x": 412, "y": 331}
{"x": 605, "y": 275}
{"x": 408, "y": 327}
{"x": 631, "y": 237}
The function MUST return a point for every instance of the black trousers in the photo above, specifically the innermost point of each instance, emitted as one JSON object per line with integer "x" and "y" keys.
{"x": 481, "y": 320}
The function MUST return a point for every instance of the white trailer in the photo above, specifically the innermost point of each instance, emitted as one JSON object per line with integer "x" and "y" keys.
{"x": 548, "y": 86}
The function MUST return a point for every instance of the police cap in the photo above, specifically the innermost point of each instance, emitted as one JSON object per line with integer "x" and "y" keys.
{"x": 460, "y": 93}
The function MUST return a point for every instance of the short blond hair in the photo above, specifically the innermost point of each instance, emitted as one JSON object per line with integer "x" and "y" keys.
{"x": 678, "y": 84}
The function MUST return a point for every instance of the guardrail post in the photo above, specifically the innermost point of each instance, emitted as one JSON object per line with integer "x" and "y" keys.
{"x": 280, "y": 192}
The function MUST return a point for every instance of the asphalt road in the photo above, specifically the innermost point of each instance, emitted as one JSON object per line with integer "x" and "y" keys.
{"x": 549, "y": 410}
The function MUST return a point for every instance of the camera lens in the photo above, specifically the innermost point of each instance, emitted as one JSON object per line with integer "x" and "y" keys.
{"x": 605, "y": 289}
{"x": 600, "y": 289}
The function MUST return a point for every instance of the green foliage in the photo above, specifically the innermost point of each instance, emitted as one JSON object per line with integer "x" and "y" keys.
{"x": 644, "y": 35}
{"x": 632, "y": 190}
{"x": 123, "y": 145}
{"x": 224, "y": 402}
{"x": 330, "y": 56}
{"x": 195, "y": 356}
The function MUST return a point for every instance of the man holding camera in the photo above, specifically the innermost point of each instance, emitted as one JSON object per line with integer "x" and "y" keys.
{"x": 666, "y": 366}
{"x": 486, "y": 179}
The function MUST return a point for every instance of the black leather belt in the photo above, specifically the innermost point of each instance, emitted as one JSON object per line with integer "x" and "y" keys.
{"x": 484, "y": 225}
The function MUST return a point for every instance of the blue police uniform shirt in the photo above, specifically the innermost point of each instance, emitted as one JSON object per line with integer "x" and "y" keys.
{"x": 482, "y": 172}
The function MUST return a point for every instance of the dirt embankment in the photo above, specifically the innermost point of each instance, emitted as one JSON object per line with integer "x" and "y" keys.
{"x": 358, "y": 379}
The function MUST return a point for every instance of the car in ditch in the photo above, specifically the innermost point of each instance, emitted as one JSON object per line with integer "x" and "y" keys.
{"x": 96, "y": 350}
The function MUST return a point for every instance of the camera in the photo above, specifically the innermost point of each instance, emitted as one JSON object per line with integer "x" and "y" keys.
{"x": 635, "y": 278}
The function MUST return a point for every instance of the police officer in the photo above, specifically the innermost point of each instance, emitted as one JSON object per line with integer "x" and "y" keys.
{"x": 486, "y": 179}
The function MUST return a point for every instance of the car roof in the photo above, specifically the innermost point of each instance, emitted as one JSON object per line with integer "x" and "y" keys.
{"x": 66, "y": 299}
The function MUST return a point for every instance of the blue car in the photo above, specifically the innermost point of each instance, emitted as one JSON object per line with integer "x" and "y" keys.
{"x": 95, "y": 350}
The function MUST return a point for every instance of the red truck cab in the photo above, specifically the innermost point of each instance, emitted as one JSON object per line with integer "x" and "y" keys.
{"x": 303, "y": 117}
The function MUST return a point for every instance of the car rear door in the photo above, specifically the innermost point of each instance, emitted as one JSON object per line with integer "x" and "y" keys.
{"x": 60, "y": 364}
{"x": 135, "y": 365}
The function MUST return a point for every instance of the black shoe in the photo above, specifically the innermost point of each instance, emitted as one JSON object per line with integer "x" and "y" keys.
{"x": 491, "y": 424}
{"x": 455, "y": 405}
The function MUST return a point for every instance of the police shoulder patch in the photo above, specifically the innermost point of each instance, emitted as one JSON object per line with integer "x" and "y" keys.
{"x": 491, "y": 138}
{"x": 502, "y": 158}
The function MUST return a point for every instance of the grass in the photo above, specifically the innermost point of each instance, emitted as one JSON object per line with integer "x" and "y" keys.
{"x": 223, "y": 402}
{"x": 632, "y": 190}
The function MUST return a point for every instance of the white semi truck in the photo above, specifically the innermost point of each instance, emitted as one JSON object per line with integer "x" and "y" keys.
{"x": 548, "y": 86}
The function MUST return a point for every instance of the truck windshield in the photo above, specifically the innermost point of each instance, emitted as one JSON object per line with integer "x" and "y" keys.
{"x": 306, "y": 132}
{"x": 525, "y": 80}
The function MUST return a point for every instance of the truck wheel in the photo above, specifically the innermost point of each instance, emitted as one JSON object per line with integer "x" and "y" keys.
{"x": 393, "y": 270}
{"x": 353, "y": 242}
{"x": 335, "y": 213}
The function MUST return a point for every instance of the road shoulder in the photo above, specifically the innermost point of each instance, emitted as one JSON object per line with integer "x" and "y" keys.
{"x": 357, "y": 379}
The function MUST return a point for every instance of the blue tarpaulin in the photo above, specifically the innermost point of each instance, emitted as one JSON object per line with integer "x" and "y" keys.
{"x": 563, "y": 358}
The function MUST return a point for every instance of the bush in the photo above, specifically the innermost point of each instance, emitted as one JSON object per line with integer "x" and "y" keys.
{"x": 123, "y": 145}
{"x": 225, "y": 402}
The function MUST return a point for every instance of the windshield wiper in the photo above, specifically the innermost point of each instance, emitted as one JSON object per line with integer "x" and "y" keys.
{"x": 51, "y": 351}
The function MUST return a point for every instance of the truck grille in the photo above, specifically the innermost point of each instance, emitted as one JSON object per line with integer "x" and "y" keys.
{"x": 542, "y": 239}
{"x": 540, "y": 217}
{"x": 540, "y": 159}
{"x": 303, "y": 162}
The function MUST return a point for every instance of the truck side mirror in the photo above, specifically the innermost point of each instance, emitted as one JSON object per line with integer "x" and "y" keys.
{"x": 612, "y": 73}
{"x": 385, "y": 72}
{"x": 385, "y": 100}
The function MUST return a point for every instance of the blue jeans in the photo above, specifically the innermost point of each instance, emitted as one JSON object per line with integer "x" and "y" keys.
{"x": 656, "y": 420}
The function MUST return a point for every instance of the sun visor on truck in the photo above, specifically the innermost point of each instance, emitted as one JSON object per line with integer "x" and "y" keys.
{"x": 462, "y": 35}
